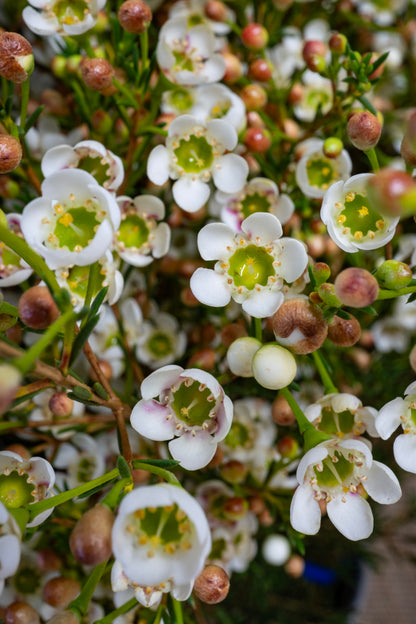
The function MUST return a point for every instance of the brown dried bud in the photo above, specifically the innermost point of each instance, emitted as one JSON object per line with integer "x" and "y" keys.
{"x": 216, "y": 10}
{"x": 61, "y": 405}
{"x": 135, "y": 16}
{"x": 90, "y": 540}
{"x": 60, "y": 591}
{"x": 344, "y": 332}
{"x": 364, "y": 130}
{"x": 19, "y": 449}
{"x": 299, "y": 325}
{"x": 16, "y": 57}
{"x": 282, "y": 412}
{"x": 97, "y": 73}
{"x": 21, "y": 613}
{"x": 356, "y": 287}
{"x": 212, "y": 585}
{"x": 36, "y": 308}
{"x": 231, "y": 332}
{"x": 10, "y": 153}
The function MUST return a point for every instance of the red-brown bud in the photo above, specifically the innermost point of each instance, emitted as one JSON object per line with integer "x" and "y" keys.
{"x": 364, "y": 130}
{"x": 233, "y": 67}
{"x": 344, "y": 332}
{"x": 36, "y": 308}
{"x": 257, "y": 140}
{"x": 234, "y": 471}
{"x": 60, "y": 591}
{"x": 61, "y": 405}
{"x": 21, "y": 613}
{"x": 388, "y": 189}
{"x": 212, "y": 585}
{"x": 314, "y": 55}
{"x": 16, "y": 57}
{"x": 299, "y": 325}
{"x": 97, "y": 73}
{"x": 261, "y": 70}
{"x": 356, "y": 287}
{"x": 10, "y": 153}
{"x": 254, "y": 97}
{"x": 134, "y": 16}
{"x": 90, "y": 540}
{"x": 282, "y": 412}
{"x": 254, "y": 36}
{"x": 216, "y": 10}
{"x": 235, "y": 508}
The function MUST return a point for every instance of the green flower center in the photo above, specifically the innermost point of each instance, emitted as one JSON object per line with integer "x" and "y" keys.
{"x": 194, "y": 154}
{"x": 160, "y": 344}
{"x": 77, "y": 281}
{"x": 15, "y": 491}
{"x": 251, "y": 265}
{"x": 75, "y": 227}
{"x": 85, "y": 469}
{"x": 8, "y": 258}
{"x": 181, "y": 99}
{"x": 321, "y": 172}
{"x": 194, "y": 20}
{"x": 220, "y": 109}
{"x": 70, "y": 12}
{"x": 192, "y": 402}
{"x": 336, "y": 423}
{"x": 238, "y": 436}
{"x": 183, "y": 61}
{"x": 218, "y": 548}
{"x": 357, "y": 215}
{"x": 315, "y": 99}
{"x": 254, "y": 202}
{"x": 335, "y": 471}
{"x": 95, "y": 166}
{"x": 133, "y": 231}
{"x": 27, "y": 580}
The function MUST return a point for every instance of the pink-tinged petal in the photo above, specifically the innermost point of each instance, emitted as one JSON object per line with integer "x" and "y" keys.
{"x": 190, "y": 194}
{"x": 210, "y": 288}
{"x": 193, "y": 452}
{"x": 184, "y": 124}
{"x": 404, "y": 449}
{"x": 160, "y": 380}
{"x": 158, "y": 165}
{"x": 223, "y": 133}
{"x": 312, "y": 457}
{"x": 353, "y": 518}
{"x": 204, "y": 378}
{"x": 262, "y": 225}
{"x": 388, "y": 418}
{"x": 42, "y": 471}
{"x": 305, "y": 513}
{"x": 230, "y": 173}
{"x": 382, "y": 484}
{"x": 57, "y": 158}
{"x": 293, "y": 258}
{"x": 213, "y": 240}
{"x": 263, "y": 304}
{"x": 151, "y": 420}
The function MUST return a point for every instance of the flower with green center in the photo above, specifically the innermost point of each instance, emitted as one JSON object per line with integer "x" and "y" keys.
{"x": 161, "y": 340}
{"x": 62, "y": 17}
{"x": 192, "y": 411}
{"x": 74, "y": 220}
{"x": 195, "y": 152}
{"x": 351, "y": 222}
{"x": 80, "y": 461}
{"x": 315, "y": 172}
{"x": 195, "y": 12}
{"x": 342, "y": 415}
{"x": 316, "y": 96}
{"x": 341, "y": 474}
{"x": 160, "y": 542}
{"x": 252, "y": 265}
{"x": 401, "y": 412}
{"x": 13, "y": 270}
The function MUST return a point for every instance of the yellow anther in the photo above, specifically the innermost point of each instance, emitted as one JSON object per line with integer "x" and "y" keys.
{"x": 140, "y": 514}
{"x": 66, "y": 219}
{"x": 363, "y": 211}
{"x": 341, "y": 219}
{"x": 143, "y": 540}
{"x": 326, "y": 170}
{"x": 350, "y": 196}
{"x": 380, "y": 224}
{"x": 358, "y": 235}
{"x": 170, "y": 548}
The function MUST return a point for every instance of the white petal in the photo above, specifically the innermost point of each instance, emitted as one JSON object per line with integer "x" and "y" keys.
{"x": 39, "y": 23}
{"x": 150, "y": 419}
{"x": 388, "y": 418}
{"x": 285, "y": 208}
{"x": 214, "y": 69}
{"x": 190, "y": 194}
{"x": 382, "y": 484}
{"x": 293, "y": 259}
{"x": 161, "y": 240}
{"x": 404, "y": 449}
{"x": 184, "y": 124}
{"x": 158, "y": 381}
{"x": 210, "y": 288}
{"x": 223, "y": 133}
{"x": 202, "y": 38}
{"x": 204, "y": 378}
{"x": 193, "y": 452}
{"x": 305, "y": 513}
{"x": 354, "y": 518}
{"x": 61, "y": 184}
{"x": 158, "y": 165}
{"x": 151, "y": 205}
{"x": 213, "y": 240}
{"x": 345, "y": 402}
{"x": 9, "y": 555}
{"x": 230, "y": 173}
{"x": 262, "y": 225}
{"x": 263, "y": 304}
{"x": 314, "y": 456}
{"x": 57, "y": 158}
{"x": 361, "y": 445}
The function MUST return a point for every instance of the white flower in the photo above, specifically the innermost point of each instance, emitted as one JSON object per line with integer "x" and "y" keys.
{"x": 139, "y": 237}
{"x": 42, "y": 411}
{"x": 252, "y": 265}
{"x": 258, "y": 195}
{"x": 194, "y": 153}
{"x": 63, "y": 17}
{"x": 186, "y": 54}
{"x": 341, "y": 414}
{"x": 47, "y": 133}
{"x": 90, "y": 156}
{"x": 194, "y": 11}
{"x": 401, "y": 412}
{"x": 9, "y": 546}
{"x": 74, "y": 220}
{"x": 13, "y": 270}
{"x": 352, "y": 222}
{"x": 161, "y": 341}
{"x": 316, "y": 95}
{"x": 82, "y": 459}
{"x": 161, "y": 540}
{"x": 339, "y": 473}
{"x": 382, "y": 13}
{"x": 315, "y": 172}
{"x": 192, "y": 411}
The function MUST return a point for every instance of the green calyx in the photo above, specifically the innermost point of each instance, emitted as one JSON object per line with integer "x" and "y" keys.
{"x": 251, "y": 265}
{"x": 15, "y": 491}
{"x": 192, "y": 403}
{"x": 194, "y": 154}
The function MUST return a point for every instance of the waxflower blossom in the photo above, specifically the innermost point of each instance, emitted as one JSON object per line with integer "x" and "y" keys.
{"x": 63, "y": 17}
{"x": 315, "y": 172}
{"x": 74, "y": 220}
{"x": 194, "y": 153}
{"x": 81, "y": 459}
{"x": 316, "y": 95}
{"x": 339, "y": 473}
{"x": 9, "y": 546}
{"x": 192, "y": 412}
{"x": 401, "y": 412}
{"x": 194, "y": 11}
{"x": 342, "y": 415}
{"x": 252, "y": 265}
{"x": 161, "y": 540}
{"x": 352, "y": 222}
{"x": 161, "y": 340}
{"x": 13, "y": 270}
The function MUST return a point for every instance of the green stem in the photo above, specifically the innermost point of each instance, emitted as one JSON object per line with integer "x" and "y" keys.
{"x": 81, "y": 603}
{"x": 392, "y": 294}
{"x": 24, "y": 103}
{"x": 177, "y": 608}
{"x": 258, "y": 329}
{"x": 93, "y": 286}
{"x": 125, "y": 608}
{"x": 111, "y": 499}
{"x": 325, "y": 376}
{"x": 126, "y": 92}
{"x": 166, "y": 475}
{"x": 144, "y": 46}
{"x": 310, "y": 434}
{"x": 372, "y": 157}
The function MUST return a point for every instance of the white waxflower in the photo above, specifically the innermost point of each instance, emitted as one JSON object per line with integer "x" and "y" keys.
{"x": 161, "y": 340}
{"x": 74, "y": 220}
{"x": 90, "y": 156}
{"x": 195, "y": 152}
{"x": 351, "y": 221}
{"x": 62, "y": 17}
{"x": 258, "y": 195}
{"x": 13, "y": 270}
{"x": 401, "y": 412}
{"x": 342, "y": 414}
{"x": 41, "y": 411}
{"x": 381, "y": 12}
{"x": 340, "y": 473}
{"x": 47, "y": 134}
{"x": 192, "y": 412}
{"x": 140, "y": 237}
{"x": 83, "y": 460}
{"x": 252, "y": 264}
{"x": 161, "y": 540}
{"x": 315, "y": 172}
{"x": 316, "y": 95}
{"x": 194, "y": 12}
{"x": 9, "y": 546}
{"x": 186, "y": 53}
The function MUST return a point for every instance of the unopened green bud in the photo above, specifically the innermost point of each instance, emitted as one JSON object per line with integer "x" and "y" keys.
{"x": 333, "y": 147}
{"x": 327, "y": 293}
{"x": 393, "y": 274}
{"x": 321, "y": 272}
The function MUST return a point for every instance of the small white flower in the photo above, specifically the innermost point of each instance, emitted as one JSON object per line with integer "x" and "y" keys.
{"x": 192, "y": 411}
{"x": 341, "y": 414}
{"x": 82, "y": 459}
{"x": 401, "y": 412}
{"x": 351, "y": 221}
{"x": 161, "y": 340}
{"x": 47, "y": 134}
{"x": 13, "y": 270}
{"x": 63, "y": 17}
{"x": 252, "y": 265}
{"x": 316, "y": 95}
{"x": 161, "y": 540}
{"x": 194, "y": 12}
{"x": 194, "y": 153}
{"x": 339, "y": 473}
{"x": 315, "y": 172}
{"x": 9, "y": 546}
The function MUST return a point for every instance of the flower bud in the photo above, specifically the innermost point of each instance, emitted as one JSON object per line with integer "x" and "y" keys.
{"x": 231, "y": 332}
{"x": 235, "y": 508}
{"x": 36, "y": 308}
{"x": 327, "y": 294}
{"x": 392, "y": 192}
{"x": 282, "y": 412}
{"x": 412, "y": 358}
{"x": 344, "y": 332}
{"x": 105, "y": 368}
{"x": 10, "y": 153}
{"x": 90, "y": 540}
{"x": 393, "y": 274}
{"x": 97, "y": 73}
{"x": 364, "y": 130}
{"x": 314, "y": 55}
{"x": 61, "y": 405}
{"x": 21, "y": 613}
{"x": 16, "y": 57}
{"x": 47, "y": 560}
{"x": 333, "y": 147}
{"x": 295, "y": 566}
{"x": 65, "y": 617}
{"x": 356, "y": 287}
{"x": 254, "y": 36}
{"x": 60, "y": 591}
{"x": 135, "y": 16}
{"x": 321, "y": 272}
{"x": 212, "y": 585}
{"x": 254, "y": 97}
{"x": 276, "y": 550}
{"x": 257, "y": 140}
{"x": 337, "y": 43}
{"x": 299, "y": 325}
{"x": 233, "y": 67}
{"x": 408, "y": 152}
{"x": 274, "y": 367}
{"x": 10, "y": 379}
{"x": 234, "y": 471}
{"x": 240, "y": 355}
{"x": 203, "y": 358}
{"x": 19, "y": 449}
{"x": 216, "y": 10}
{"x": 261, "y": 70}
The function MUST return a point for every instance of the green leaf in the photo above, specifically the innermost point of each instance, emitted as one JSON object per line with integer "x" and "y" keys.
{"x": 100, "y": 391}
{"x": 160, "y": 463}
{"x": 342, "y": 314}
{"x": 82, "y": 394}
{"x": 367, "y": 104}
{"x": 379, "y": 62}
{"x": 369, "y": 310}
{"x": 411, "y": 298}
{"x": 124, "y": 468}
{"x": 33, "y": 118}
{"x": 82, "y": 337}
{"x": 311, "y": 277}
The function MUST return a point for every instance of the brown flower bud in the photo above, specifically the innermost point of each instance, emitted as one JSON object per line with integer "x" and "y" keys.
{"x": 60, "y": 591}
{"x": 233, "y": 67}
{"x": 203, "y": 358}
{"x": 299, "y": 325}
{"x": 19, "y": 449}
{"x": 65, "y": 617}
{"x": 254, "y": 96}
{"x": 313, "y": 53}
{"x": 412, "y": 358}
{"x": 36, "y": 308}
{"x": 105, "y": 368}
{"x": 10, "y": 153}
{"x": 364, "y": 130}
{"x": 135, "y": 16}
{"x": 90, "y": 540}
{"x": 282, "y": 412}
{"x": 47, "y": 560}
{"x": 235, "y": 508}
{"x": 61, "y": 405}
{"x": 21, "y": 613}
{"x": 97, "y": 73}
{"x": 295, "y": 566}
{"x": 356, "y": 287}
{"x": 212, "y": 585}
{"x": 234, "y": 471}
{"x": 216, "y": 10}
{"x": 16, "y": 57}
{"x": 344, "y": 332}
{"x": 231, "y": 332}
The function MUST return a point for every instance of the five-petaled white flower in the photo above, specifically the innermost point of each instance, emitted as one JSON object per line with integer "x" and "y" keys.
{"x": 315, "y": 172}
{"x": 341, "y": 414}
{"x": 63, "y": 17}
{"x": 252, "y": 264}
